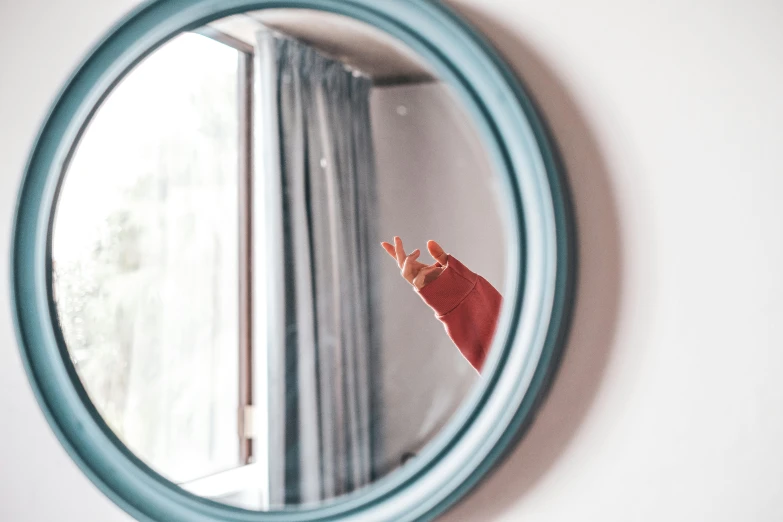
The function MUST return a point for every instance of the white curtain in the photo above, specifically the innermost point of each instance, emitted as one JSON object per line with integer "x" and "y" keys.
{"x": 314, "y": 152}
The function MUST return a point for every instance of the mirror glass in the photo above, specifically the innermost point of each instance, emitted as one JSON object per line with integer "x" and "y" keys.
{"x": 226, "y": 269}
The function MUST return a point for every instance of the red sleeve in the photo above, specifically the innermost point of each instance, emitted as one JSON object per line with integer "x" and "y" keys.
{"x": 468, "y": 306}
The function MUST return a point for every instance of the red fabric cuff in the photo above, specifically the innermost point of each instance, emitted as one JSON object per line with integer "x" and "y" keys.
{"x": 452, "y": 287}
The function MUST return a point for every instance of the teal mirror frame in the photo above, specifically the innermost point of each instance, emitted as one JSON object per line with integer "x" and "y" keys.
{"x": 539, "y": 292}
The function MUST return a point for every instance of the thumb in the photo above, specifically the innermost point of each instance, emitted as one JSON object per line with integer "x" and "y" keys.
{"x": 437, "y": 252}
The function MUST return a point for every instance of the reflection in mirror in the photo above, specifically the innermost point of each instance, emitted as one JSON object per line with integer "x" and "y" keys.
{"x": 244, "y": 267}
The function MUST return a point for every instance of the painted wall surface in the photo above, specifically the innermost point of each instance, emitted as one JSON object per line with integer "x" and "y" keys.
{"x": 435, "y": 181}
{"x": 668, "y": 114}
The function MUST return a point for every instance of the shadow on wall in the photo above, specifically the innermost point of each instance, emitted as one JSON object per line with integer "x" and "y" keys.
{"x": 599, "y": 283}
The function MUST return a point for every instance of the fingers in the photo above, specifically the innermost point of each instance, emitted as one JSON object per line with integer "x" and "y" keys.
{"x": 426, "y": 276}
{"x": 389, "y": 248}
{"x": 411, "y": 267}
{"x": 399, "y": 251}
{"x": 437, "y": 253}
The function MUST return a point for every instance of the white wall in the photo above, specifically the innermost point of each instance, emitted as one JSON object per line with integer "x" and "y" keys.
{"x": 435, "y": 181}
{"x": 668, "y": 406}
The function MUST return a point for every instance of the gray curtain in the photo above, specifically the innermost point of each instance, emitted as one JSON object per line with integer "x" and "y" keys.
{"x": 318, "y": 157}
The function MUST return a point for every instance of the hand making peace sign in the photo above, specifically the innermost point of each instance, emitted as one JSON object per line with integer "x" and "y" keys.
{"x": 415, "y": 272}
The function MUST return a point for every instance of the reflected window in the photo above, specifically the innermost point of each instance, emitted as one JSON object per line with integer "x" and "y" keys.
{"x": 146, "y": 277}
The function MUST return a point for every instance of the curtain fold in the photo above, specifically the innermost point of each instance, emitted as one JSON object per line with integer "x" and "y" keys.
{"x": 319, "y": 221}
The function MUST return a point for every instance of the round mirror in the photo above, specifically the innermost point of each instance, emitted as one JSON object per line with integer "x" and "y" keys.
{"x": 223, "y": 291}
{"x": 284, "y": 259}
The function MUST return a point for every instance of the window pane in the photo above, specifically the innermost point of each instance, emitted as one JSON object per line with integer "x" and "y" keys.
{"x": 145, "y": 248}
